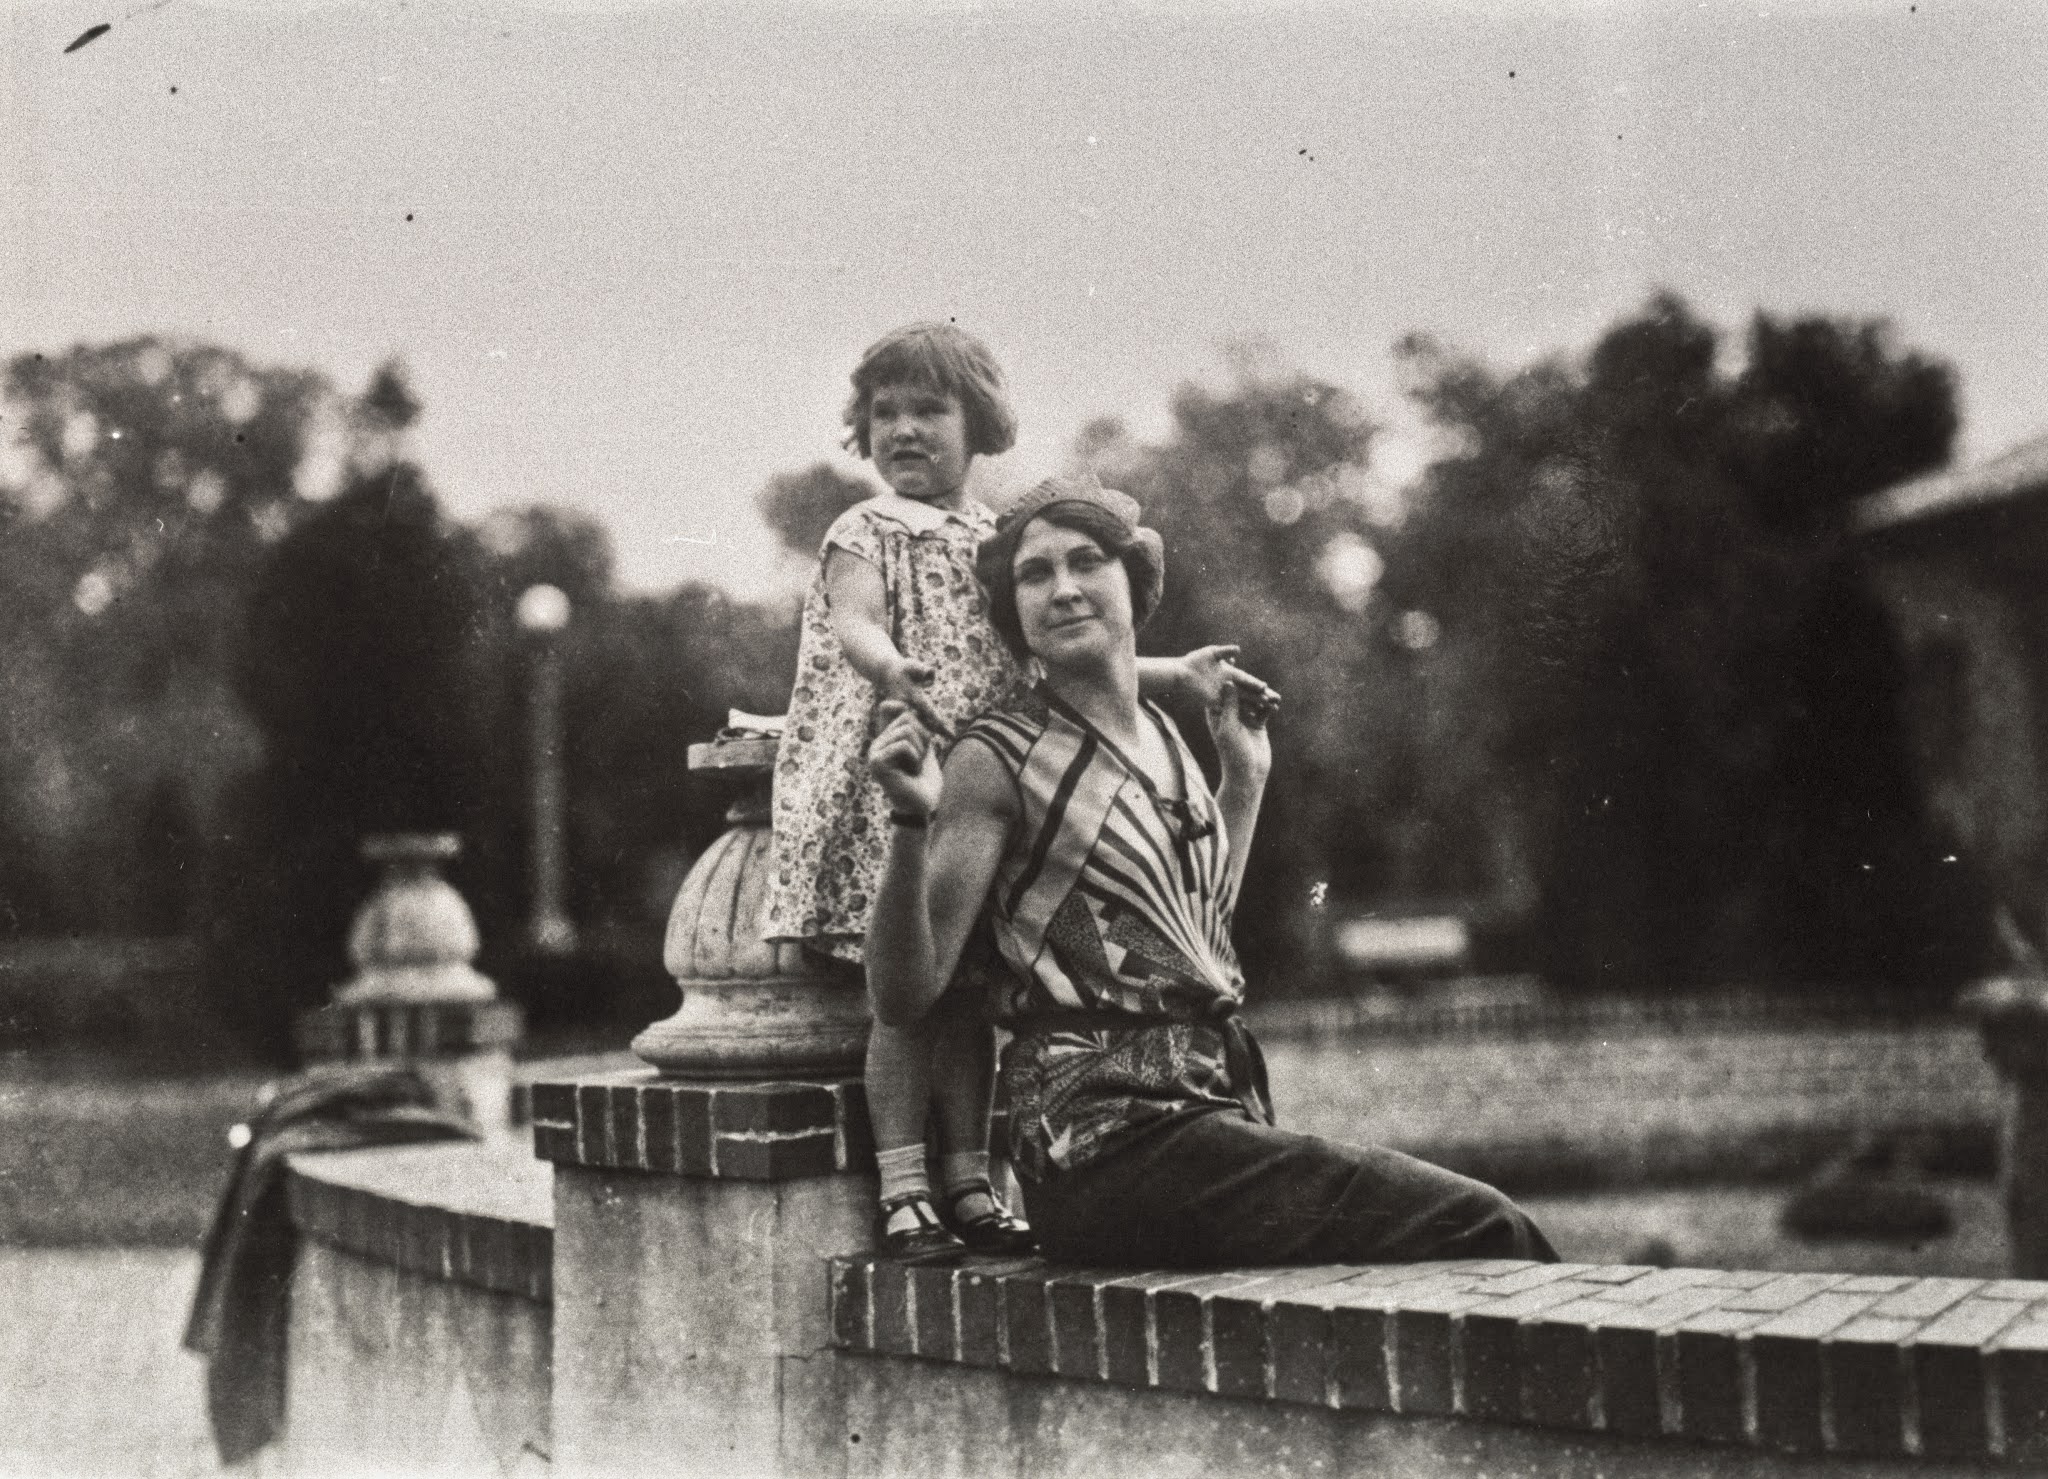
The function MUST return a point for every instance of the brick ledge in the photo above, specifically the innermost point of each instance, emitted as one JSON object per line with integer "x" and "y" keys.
{"x": 475, "y": 1214}
{"x": 1879, "y": 1366}
{"x": 777, "y": 1130}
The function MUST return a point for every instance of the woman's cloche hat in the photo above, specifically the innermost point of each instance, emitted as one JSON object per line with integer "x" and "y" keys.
{"x": 1082, "y": 487}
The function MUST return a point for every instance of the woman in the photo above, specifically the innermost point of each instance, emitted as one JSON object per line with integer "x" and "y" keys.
{"x": 1086, "y": 842}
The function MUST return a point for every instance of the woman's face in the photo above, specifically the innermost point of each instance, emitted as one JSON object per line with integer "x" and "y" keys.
{"x": 1073, "y": 596}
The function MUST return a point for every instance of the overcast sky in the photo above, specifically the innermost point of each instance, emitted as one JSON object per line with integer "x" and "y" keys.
{"x": 630, "y": 255}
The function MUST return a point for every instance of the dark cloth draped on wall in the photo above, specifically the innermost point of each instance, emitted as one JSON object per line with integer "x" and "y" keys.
{"x": 241, "y": 1310}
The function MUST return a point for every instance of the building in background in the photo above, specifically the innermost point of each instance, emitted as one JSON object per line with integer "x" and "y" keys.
{"x": 1961, "y": 559}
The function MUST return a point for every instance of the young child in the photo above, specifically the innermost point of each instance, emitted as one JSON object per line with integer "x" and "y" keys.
{"x": 894, "y": 613}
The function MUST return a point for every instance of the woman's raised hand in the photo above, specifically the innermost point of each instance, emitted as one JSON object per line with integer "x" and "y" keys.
{"x": 1237, "y": 723}
{"x": 904, "y": 761}
{"x": 1208, "y": 673}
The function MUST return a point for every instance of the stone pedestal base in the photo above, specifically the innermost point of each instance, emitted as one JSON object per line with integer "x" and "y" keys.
{"x": 2012, "y": 1013}
{"x": 693, "y": 1222}
{"x": 465, "y": 1047}
{"x": 2025, "y": 1177}
{"x": 753, "y": 1008}
{"x": 796, "y": 1026}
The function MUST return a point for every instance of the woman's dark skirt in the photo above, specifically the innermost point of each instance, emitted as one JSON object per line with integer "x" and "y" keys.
{"x": 1210, "y": 1188}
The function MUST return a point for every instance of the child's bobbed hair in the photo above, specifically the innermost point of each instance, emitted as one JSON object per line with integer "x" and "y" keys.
{"x": 945, "y": 358}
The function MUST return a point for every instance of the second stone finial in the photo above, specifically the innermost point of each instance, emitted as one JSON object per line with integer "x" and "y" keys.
{"x": 414, "y": 939}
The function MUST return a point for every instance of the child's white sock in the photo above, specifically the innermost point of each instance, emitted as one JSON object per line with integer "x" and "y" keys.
{"x": 903, "y": 1172}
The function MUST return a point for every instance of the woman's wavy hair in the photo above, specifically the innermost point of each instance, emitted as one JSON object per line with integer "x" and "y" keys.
{"x": 1108, "y": 517}
{"x": 945, "y": 358}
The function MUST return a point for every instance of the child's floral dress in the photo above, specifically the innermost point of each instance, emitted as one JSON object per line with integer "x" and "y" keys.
{"x": 831, "y": 820}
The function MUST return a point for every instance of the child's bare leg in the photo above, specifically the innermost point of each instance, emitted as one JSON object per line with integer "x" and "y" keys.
{"x": 899, "y": 1090}
{"x": 963, "y": 1066}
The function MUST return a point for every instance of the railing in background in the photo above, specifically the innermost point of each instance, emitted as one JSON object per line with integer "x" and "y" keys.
{"x": 101, "y": 990}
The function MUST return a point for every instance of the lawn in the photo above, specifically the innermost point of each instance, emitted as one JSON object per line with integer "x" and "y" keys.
{"x": 92, "y": 1160}
{"x": 97, "y": 1154}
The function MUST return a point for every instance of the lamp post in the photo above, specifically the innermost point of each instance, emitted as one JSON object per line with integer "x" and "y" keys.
{"x": 543, "y": 612}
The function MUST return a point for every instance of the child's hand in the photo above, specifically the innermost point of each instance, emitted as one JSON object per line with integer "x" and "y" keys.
{"x": 1208, "y": 674}
{"x": 904, "y": 681}
{"x": 904, "y": 762}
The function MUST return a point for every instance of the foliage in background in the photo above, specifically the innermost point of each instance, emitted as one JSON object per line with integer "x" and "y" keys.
{"x": 145, "y": 483}
{"x": 237, "y": 631}
{"x": 391, "y": 679}
{"x": 1258, "y": 492}
{"x": 800, "y": 506}
{"x": 1662, "y": 685}
{"x": 366, "y": 670}
{"x": 1607, "y": 681}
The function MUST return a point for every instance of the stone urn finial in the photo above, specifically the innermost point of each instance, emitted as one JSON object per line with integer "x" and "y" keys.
{"x": 751, "y": 1008}
{"x": 415, "y": 998}
{"x": 414, "y": 938}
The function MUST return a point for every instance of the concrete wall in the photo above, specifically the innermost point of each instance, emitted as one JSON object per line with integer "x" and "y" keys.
{"x": 394, "y": 1372}
{"x": 693, "y": 1329}
{"x": 422, "y": 1326}
{"x": 910, "y": 1418}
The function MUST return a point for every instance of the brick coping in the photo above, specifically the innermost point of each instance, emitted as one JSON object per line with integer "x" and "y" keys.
{"x": 777, "y": 1130}
{"x": 480, "y": 1214}
{"x": 1879, "y": 1366}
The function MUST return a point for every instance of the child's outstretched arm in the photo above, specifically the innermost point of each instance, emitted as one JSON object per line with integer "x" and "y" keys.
{"x": 860, "y": 620}
{"x": 1202, "y": 677}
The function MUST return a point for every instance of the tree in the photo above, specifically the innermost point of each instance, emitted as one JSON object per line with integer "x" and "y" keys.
{"x": 800, "y": 506}
{"x": 539, "y": 545}
{"x": 652, "y": 676}
{"x": 366, "y": 663}
{"x": 1655, "y": 627}
{"x": 645, "y": 677}
{"x": 1254, "y": 493}
{"x": 1826, "y": 410}
{"x": 151, "y": 478}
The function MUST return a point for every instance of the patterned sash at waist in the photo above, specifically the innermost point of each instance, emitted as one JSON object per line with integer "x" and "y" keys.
{"x": 1243, "y": 1060}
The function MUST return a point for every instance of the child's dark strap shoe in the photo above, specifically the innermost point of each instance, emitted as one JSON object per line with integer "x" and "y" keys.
{"x": 925, "y": 1240}
{"x": 996, "y": 1230}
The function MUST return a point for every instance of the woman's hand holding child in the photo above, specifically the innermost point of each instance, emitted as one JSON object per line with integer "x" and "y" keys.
{"x": 904, "y": 681}
{"x": 904, "y": 761}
